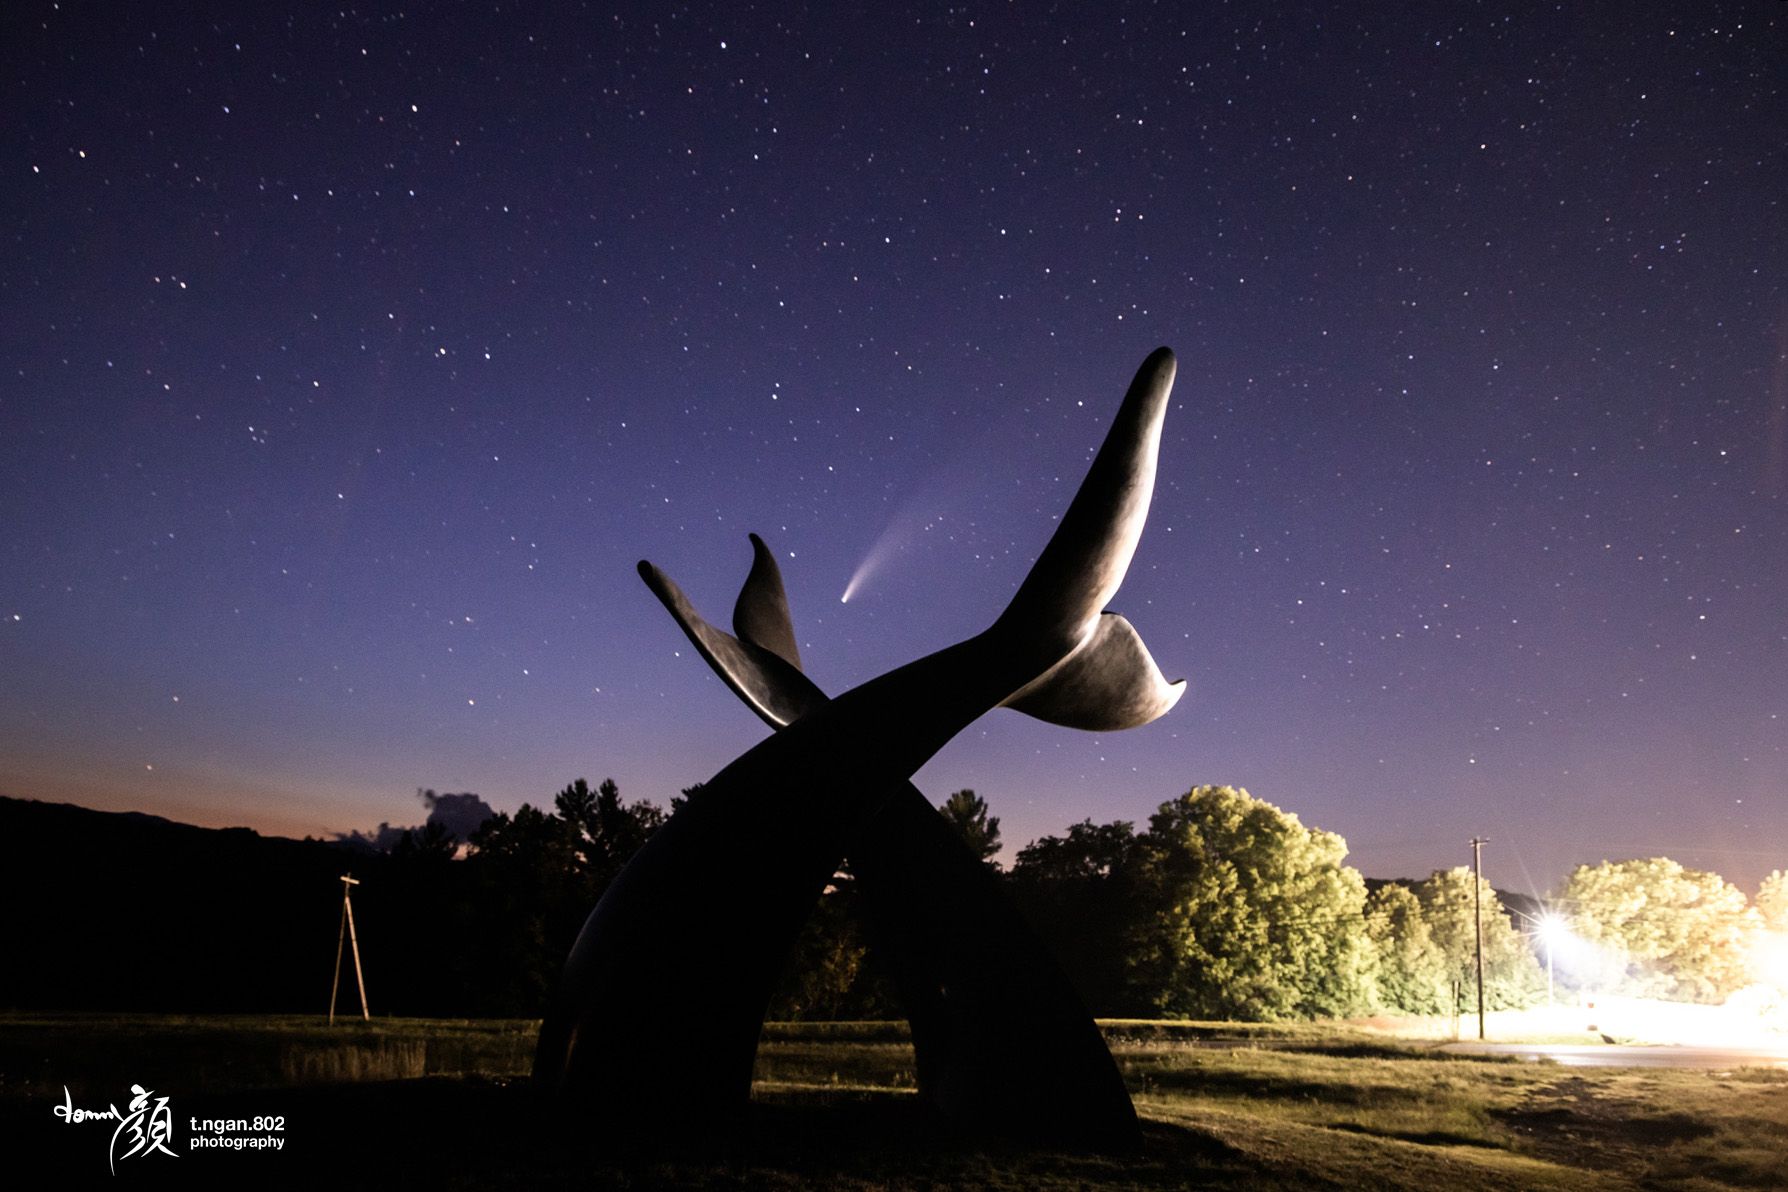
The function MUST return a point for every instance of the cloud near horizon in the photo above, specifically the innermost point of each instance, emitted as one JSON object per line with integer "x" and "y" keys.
{"x": 460, "y": 814}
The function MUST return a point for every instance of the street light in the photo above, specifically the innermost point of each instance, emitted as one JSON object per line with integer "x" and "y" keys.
{"x": 1554, "y": 930}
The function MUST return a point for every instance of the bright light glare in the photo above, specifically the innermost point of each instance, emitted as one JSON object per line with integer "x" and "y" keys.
{"x": 1769, "y": 961}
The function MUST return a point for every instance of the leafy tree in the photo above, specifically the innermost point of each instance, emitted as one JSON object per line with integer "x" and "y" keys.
{"x": 609, "y": 831}
{"x": 1078, "y": 892}
{"x": 1412, "y": 971}
{"x": 677, "y": 801}
{"x": 1245, "y": 913}
{"x": 1769, "y": 949}
{"x": 967, "y": 813}
{"x": 831, "y": 973}
{"x": 1772, "y": 902}
{"x": 1671, "y": 932}
{"x": 1512, "y": 977}
{"x": 527, "y": 901}
{"x": 533, "y": 878}
{"x": 1089, "y": 852}
{"x": 431, "y": 841}
{"x": 415, "y": 950}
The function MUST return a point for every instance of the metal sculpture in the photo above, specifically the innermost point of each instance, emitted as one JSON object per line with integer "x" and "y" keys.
{"x": 658, "y": 1012}
{"x": 1001, "y": 1040}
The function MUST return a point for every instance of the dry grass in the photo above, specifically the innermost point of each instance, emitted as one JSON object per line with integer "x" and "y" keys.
{"x": 40, "y": 1053}
{"x": 1307, "y": 1106}
{"x": 834, "y": 1106}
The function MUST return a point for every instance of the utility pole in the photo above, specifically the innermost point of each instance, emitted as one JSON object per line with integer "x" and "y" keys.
{"x": 1477, "y": 916}
{"x": 347, "y": 934}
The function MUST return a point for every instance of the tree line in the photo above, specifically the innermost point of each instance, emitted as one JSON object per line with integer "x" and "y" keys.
{"x": 1222, "y": 906}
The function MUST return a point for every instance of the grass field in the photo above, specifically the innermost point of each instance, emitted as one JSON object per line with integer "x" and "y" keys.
{"x": 1232, "y": 1106}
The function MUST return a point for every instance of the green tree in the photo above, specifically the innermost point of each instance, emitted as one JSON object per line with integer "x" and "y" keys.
{"x": 1078, "y": 891}
{"x": 527, "y": 901}
{"x": 431, "y": 840}
{"x": 677, "y": 801}
{"x": 1768, "y": 963}
{"x": 1245, "y": 913}
{"x": 1513, "y": 979}
{"x": 831, "y": 974}
{"x": 609, "y": 831}
{"x": 533, "y": 878}
{"x": 1412, "y": 971}
{"x": 1670, "y": 932}
{"x": 967, "y": 813}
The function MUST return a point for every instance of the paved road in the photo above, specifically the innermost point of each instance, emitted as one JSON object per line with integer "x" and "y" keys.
{"x": 1631, "y": 1055}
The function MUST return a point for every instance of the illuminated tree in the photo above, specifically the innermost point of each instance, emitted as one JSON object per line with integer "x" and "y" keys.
{"x": 1413, "y": 972}
{"x": 1672, "y": 932}
{"x": 1772, "y": 902}
{"x": 1245, "y": 913}
{"x": 827, "y": 977}
{"x": 1769, "y": 949}
{"x": 1512, "y": 977}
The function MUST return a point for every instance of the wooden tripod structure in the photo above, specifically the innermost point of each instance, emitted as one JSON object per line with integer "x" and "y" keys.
{"x": 347, "y": 934}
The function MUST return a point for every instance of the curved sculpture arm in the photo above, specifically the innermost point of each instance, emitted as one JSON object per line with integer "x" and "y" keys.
{"x": 1084, "y": 564}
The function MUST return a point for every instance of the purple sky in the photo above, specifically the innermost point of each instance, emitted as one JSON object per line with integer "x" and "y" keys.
{"x": 351, "y": 362}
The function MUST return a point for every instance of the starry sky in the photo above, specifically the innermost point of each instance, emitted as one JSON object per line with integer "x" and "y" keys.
{"x": 353, "y": 355}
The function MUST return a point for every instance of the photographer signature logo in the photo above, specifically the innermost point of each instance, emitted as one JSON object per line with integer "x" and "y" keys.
{"x": 145, "y": 1130}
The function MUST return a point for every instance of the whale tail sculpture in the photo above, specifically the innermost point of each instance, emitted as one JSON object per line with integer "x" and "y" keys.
{"x": 1001, "y": 1040}
{"x": 691, "y": 936}
{"x": 1101, "y": 676}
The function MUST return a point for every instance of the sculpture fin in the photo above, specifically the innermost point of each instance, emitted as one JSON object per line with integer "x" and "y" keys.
{"x": 1110, "y": 683}
{"x": 1057, "y": 607}
{"x": 778, "y": 692}
{"x": 761, "y": 614}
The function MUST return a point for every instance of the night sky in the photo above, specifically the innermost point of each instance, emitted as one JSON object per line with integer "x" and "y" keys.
{"x": 353, "y": 357}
